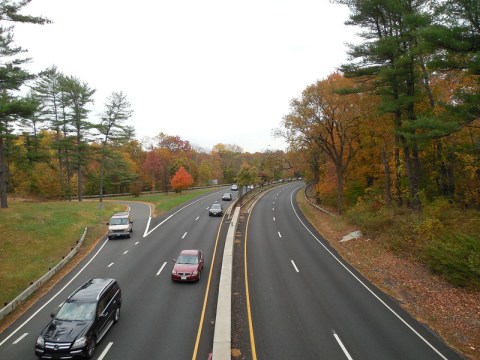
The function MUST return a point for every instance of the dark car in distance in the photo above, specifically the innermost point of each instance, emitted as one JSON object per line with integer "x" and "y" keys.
{"x": 227, "y": 197}
{"x": 215, "y": 210}
{"x": 82, "y": 321}
{"x": 188, "y": 266}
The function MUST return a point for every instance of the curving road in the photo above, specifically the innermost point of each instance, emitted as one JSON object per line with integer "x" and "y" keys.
{"x": 160, "y": 319}
{"x": 306, "y": 303}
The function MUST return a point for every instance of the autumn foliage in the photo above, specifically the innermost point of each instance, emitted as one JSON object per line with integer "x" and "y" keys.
{"x": 181, "y": 180}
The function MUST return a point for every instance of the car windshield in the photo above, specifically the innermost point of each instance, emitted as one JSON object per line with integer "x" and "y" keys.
{"x": 119, "y": 221}
{"x": 187, "y": 259}
{"x": 226, "y": 195}
{"x": 216, "y": 207}
{"x": 76, "y": 311}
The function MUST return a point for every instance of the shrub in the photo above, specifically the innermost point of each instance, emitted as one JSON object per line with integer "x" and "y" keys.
{"x": 457, "y": 258}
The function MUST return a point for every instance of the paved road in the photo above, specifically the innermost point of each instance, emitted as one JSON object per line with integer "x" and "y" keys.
{"x": 307, "y": 304}
{"x": 160, "y": 319}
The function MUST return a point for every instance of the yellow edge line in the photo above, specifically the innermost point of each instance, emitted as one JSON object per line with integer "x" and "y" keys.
{"x": 250, "y": 323}
{"x": 202, "y": 317}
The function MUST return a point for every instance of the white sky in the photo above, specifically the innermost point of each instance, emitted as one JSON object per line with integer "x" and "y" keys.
{"x": 209, "y": 71}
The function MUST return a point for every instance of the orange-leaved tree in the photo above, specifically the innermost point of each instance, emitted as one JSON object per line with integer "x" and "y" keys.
{"x": 181, "y": 180}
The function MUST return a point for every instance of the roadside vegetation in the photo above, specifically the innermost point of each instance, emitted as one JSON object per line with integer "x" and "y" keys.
{"x": 401, "y": 268}
{"x": 36, "y": 235}
{"x": 444, "y": 237}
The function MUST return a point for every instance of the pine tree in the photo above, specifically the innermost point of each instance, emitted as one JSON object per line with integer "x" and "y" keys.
{"x": 12, "y": 77}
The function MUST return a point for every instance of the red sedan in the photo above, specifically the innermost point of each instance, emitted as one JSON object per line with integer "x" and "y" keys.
{"x": 188, "y": 266}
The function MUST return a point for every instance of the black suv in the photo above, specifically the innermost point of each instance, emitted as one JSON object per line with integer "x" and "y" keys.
{"x": 81, "y": 322}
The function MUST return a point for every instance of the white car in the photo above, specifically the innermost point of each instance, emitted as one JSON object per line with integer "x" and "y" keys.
{"x": 234, "y": 187}
{"x": 120, "y": 225}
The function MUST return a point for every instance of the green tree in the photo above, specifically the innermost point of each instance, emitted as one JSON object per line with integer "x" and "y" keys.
{"x": 393, "y": 56}
{"x": 112, "y": 126}
{"x": 247, "y": 175}
{"x": 47, "y": 89}
{"x": 12, "y": 77}
{"x": 78, "y": 95}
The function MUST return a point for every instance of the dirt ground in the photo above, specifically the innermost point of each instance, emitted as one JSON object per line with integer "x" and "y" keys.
{"x": 452, "y": 312}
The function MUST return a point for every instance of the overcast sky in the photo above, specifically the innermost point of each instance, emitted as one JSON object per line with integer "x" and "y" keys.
{"x": 209, "y": 71}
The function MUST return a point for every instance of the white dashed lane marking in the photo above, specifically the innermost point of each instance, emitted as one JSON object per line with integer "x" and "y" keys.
{"x": 294, "y": 266}
{"x": 104, "y": 352}
{"x": 159, "y": 271}
{"x": 19, "y": 339}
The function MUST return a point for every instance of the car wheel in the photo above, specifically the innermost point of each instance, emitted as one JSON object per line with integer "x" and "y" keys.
{"x": 109, "y": 238}
{"x": 90, "y": 348}
{"x": 129, "y": 236}
{"x": 117, "y": 315}
{"x": 199, "y": 275}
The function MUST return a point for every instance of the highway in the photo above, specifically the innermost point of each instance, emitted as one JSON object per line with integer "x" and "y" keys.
{"x": 159, "y": 319}
{"x": 306, "y": 303}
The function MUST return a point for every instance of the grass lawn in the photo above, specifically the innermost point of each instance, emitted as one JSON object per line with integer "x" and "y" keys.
{"x": 164, "y": 202}
{"x": 34, "y": 236}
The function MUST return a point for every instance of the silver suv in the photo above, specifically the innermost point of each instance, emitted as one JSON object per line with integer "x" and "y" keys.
{"x": 120, "y": 225}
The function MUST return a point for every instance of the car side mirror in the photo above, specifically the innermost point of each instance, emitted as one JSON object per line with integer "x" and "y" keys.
{"x": 108, "y": 223}
{"x": 174, "y": 260}
{"x": 201, "y": 260}
{"x": 52, "y": 315}
{"x": 131, "y": 222}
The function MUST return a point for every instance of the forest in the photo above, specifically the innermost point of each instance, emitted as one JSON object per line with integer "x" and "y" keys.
{"x": 395, "y": 130}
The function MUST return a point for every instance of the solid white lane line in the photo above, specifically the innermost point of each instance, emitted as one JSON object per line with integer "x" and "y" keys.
{"x": 183, "y": 237}
{"x": 295, "y": 266}
{"x": 344, "y": 349}
{"x": 54, "y": 296}
{"x": 365, "y": 285}
{"x": 19, "y": 339}
{"x": 279, "y": 235}
{"x": 104, "y": 352}
{"x": 146, "y": 233}
{"x": 111, "y": 264}
{"x": 159, "y": 271}
{"x": 125, "y": 252}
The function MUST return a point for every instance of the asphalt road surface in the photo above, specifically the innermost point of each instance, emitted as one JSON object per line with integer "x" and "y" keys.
{"x": 159, "y": 319}
{"x": 306, "y": 303}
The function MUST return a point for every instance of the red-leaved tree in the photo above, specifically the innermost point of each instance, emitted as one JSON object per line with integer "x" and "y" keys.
{"x": 181, "y": 180}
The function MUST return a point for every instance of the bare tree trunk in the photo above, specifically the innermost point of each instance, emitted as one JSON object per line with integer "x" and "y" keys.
{"x": 340, "y": 188}
{"x": 388, "y": 180}
{"x": 3, "y": 178}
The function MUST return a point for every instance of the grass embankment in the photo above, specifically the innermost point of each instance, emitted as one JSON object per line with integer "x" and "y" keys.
{"x": 35, "y": 235}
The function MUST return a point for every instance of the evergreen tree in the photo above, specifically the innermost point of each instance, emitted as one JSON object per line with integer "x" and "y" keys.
{"x": 12, "y": 77}
{"x": 77, "y": 96}
{"x": 112, "y": 127}
{"x": 393, "y": 55}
